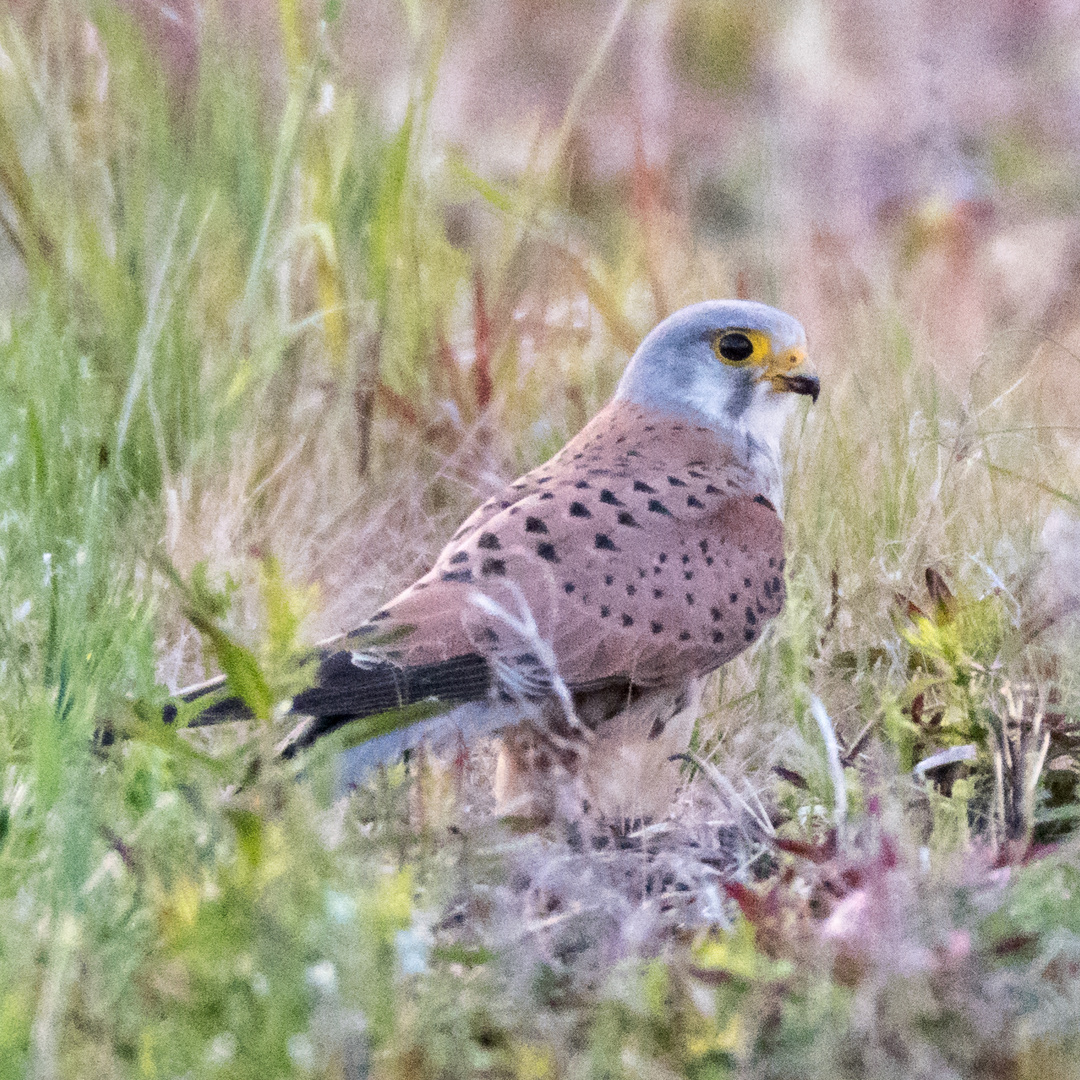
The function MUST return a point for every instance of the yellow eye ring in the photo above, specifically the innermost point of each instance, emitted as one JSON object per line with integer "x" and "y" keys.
{"x": 738, "y": 348}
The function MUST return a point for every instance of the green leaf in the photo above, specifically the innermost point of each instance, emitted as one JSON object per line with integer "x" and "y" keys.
{"x": 242, "y": 671}
{"x": 360, "y": 731}
{"x": 249, "y": 834}
{"x": 462, "y": 954}
{"x": 387, "y": 221}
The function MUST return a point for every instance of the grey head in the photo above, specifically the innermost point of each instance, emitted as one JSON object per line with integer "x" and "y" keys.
{"x": 735, "y": 366}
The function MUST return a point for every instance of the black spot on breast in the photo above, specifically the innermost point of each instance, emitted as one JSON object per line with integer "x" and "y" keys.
{"x": 546, "y": 495}
{"x": 641, "y": 572}
{"x": 489, "y": 635}
{"x": 674, "y": 481}
{"x": 768, "y": 590}
{"x": 708, "y": 560}
{"x": 711, "y": 490}
{"x": 627, "y": 620}
{"x": 504, "y": 504}
{"x": 640, "y": 485}
{"x": 715, "y": 613}
{"x": 690, "y": 598}
{"x": 626, "y": 518}
{"x": 609, "y": 579}
{"x": 747, "y": 582}
{"x": 761, "y": 500}
{"x": 688, "y": 575}
{"x": 631, "y": 589}
{"x": 704, "y": 545}
{"x": 580, "y": 510}
{"x": 776, "y": 585}
{"x": 489, "y": 542}
{"x": 535, "y": 525}
{"x": 685, "y": 559}
{"x": 649, "y": 427}
{"x": 662, "y": 557}
{"x": 547, "y": 551}
{"x": 695, "y": 474}
{"x": 527, "y": 658}
{"x": 717, "y": 637}
{"x": 685, "y": 635}
{"x": 379, "y": 616}
{"x": 582, "y": 485}
{"x": 772, "y": 563}
{"x": 460, "y": 557}
{"x": 569, "y": 587}
{"x": 748, "y": 633}
{"x": 496, "y": 567}
{"x": 656, "y": 627}
{"x": 734, "y": 598}
{"x": 695, "y": 502}
{"x": 605, "y": 611}
{"x": 609, "y": 498}
{"x": 751, "y": 618}
{"x": 605, "y": 543}
{"x": 657, "y": 507}
{"x": 543, "y": 479}
{"x": 458, "y": 575}
{"x": 576, "y": 456}
{"x": 760, "y": 608}
{"x": 781, "y": 566}
{"x": 632, "y": 453}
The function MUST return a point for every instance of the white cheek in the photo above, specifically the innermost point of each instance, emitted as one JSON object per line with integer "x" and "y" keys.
{"x": 768, "y": 415}
{"x": 762, "y": 426}
{"x": 709, "y": 397}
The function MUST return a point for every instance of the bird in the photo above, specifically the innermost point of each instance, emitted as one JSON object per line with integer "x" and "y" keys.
{"x": 579, "y": 612}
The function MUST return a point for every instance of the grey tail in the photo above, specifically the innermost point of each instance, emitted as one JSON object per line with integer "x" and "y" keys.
{"x": 346, "y": 691}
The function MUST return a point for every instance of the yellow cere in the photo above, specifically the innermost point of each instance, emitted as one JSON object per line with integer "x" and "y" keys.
{"x": 783, "y": 362}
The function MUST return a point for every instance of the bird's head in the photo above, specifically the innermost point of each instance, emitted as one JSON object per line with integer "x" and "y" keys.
{"x": 733, "y": 365}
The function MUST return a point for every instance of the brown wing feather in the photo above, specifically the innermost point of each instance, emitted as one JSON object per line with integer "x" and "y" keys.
{"x": 641, "y": 551}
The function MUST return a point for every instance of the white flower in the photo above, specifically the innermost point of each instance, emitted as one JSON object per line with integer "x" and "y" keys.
{"x": 222, "y": 1048}
{"x": 301, "y": 1052}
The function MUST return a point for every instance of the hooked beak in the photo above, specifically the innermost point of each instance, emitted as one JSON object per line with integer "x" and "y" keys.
{"x": 798, "y": 384}
{"x": 779, "y": 372}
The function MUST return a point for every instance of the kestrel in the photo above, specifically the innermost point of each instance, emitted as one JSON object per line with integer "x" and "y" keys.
{"x": 579, "y": 611}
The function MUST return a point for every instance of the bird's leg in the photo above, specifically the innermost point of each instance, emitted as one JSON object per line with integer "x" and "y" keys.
{"x": 524, "y": 780}
{"x": 538, "y": 775}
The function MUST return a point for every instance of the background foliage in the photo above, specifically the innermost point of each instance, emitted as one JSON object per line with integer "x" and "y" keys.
{"x": 287, "y": 289}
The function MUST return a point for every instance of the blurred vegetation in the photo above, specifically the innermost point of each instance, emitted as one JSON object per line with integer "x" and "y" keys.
{"x": 279, "y": 324}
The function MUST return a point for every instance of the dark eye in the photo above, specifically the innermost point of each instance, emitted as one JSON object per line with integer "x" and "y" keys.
{"x": 735, "y": 348}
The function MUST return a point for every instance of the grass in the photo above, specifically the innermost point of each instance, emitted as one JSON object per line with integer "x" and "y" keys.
{"x": 283, "y": 347}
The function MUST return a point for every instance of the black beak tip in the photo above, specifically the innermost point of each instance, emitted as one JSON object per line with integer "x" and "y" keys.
{"x": 804, "y": 384}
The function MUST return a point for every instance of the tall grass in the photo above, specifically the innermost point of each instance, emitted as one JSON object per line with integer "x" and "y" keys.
{"x": 285, "y": 345}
